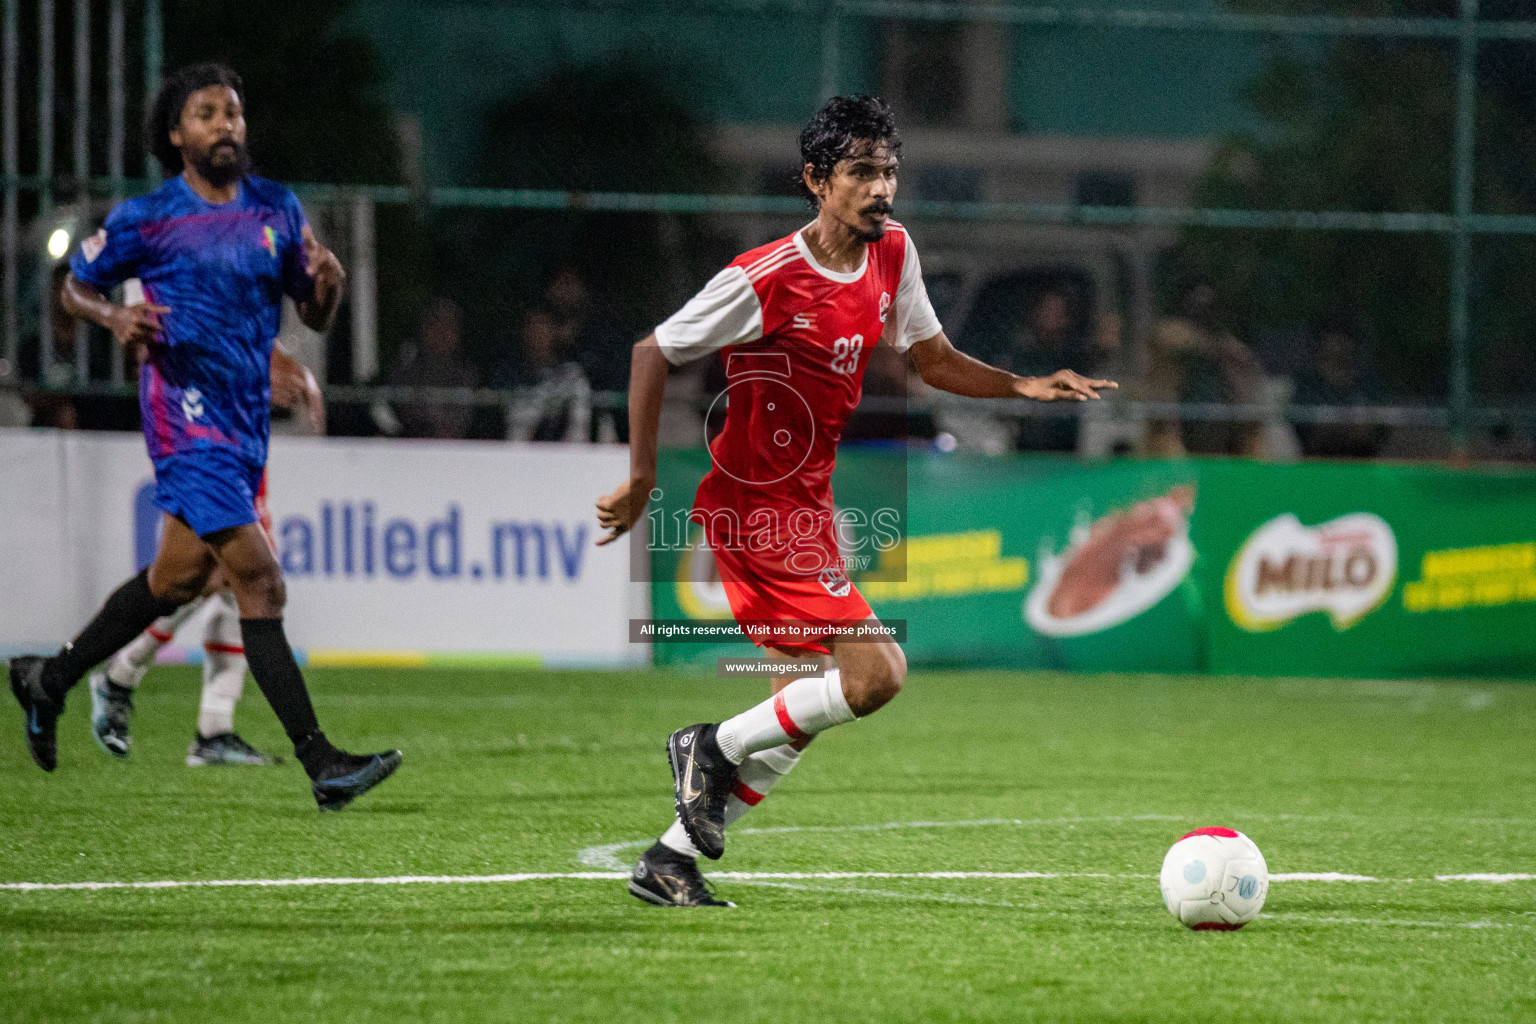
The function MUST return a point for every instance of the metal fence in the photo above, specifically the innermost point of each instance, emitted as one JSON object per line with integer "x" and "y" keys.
{"x": 1459, "y": 225}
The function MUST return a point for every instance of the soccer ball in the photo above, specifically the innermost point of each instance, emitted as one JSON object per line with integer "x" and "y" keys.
{"x": 1214, "y": 879}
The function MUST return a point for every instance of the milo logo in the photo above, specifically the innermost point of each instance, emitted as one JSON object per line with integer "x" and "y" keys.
{"x": 1345, "y": 567}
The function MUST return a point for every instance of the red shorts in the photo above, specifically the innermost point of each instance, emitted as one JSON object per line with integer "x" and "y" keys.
{"x": 809, "y": 607}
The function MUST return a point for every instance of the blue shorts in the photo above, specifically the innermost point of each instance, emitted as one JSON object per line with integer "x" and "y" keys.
{"x": 209, "y": 490}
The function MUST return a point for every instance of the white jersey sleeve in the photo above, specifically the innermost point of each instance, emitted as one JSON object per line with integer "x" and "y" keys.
{"x": 726, "y": 311}
{"x": 915, "y": 319}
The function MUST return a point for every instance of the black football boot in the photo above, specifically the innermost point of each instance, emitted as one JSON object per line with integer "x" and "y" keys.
{"x": 671, "y": 879}
{"x": 702, "y": 778}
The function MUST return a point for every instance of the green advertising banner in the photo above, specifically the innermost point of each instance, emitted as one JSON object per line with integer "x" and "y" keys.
{"x": 1226, "y": 566}
{"x": 1364, "y": 570}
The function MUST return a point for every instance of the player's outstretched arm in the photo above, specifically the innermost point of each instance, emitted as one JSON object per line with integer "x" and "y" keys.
{"x": 618, "y": 511}
{"x": 325, "y": 270}
{"x": 130, "y": 325}
{"x": 945, "y": 367}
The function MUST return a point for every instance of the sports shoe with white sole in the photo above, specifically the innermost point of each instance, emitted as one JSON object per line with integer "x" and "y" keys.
{"x": 225, "y": 748}
{"x": 110, "y": 707}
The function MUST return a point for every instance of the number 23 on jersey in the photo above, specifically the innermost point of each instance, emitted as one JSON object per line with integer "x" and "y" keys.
{"x": 845, "y": 353}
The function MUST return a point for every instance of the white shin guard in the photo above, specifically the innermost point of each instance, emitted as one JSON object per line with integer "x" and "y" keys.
{"x": 223, "y": 668}
{"x": 756, "y": 777}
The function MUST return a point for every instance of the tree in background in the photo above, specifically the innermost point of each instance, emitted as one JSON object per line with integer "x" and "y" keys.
{"x": 1368, "y": 124}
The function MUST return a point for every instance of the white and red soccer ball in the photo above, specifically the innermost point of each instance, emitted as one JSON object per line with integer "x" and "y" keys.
{"x": 1214, "y": 879}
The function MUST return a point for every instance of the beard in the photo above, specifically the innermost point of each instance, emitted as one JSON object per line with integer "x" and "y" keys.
{"x": 220, "y": 167}
{"x": 871, "y": 235}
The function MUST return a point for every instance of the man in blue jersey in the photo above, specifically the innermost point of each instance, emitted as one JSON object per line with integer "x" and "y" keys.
{"x": 112, "y": 685}
{"x": 216, "y": 249}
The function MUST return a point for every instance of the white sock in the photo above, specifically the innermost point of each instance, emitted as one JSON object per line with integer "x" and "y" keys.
{"x": 803, "y": 708}
{"x": 755, "y": 779}
{"x": 223, "y": 668}
{"x": 127, "y": 666}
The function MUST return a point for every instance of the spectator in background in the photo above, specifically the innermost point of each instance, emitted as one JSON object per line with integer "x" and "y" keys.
{"x": 1108, "y": 354}
{"x": 554, "y": 400}
{"x": 1045, "y": 334}
{"x": 595, "y": 343}
{"x": 1045, "y": 342}
{"x": 435, "y": 361}
{"x": 1105, "y": 429}
{"x": 53, "y": 410}
{"x": 1339, "y": 371}
{"x": 1029, "y": 322}
{"x": 1192, "y": 357}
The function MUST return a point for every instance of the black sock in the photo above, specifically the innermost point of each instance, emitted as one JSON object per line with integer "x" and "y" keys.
{"x": 275, "y": 671}
{"x": 127, "y": 613}
{"x": 316, "y": 752}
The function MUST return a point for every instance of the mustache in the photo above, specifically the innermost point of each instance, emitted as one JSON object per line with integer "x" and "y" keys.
{"x": 884, "y": 208}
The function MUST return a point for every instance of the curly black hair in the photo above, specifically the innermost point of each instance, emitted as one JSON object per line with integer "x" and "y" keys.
{"x": 165, "y": 113}
{"x": 841, "y": 129}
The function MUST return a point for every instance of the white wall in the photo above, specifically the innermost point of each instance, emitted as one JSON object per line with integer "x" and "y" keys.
{"x": 386, "y": 545}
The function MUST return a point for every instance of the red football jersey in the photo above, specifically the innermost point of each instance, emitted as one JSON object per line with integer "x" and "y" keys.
{"x": 796, "y": 338}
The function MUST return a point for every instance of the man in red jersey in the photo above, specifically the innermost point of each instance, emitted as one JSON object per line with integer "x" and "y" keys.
{"x": 795, "y": 321}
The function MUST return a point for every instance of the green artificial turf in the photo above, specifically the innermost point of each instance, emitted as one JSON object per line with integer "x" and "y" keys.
{"x": 1091, "y": 778}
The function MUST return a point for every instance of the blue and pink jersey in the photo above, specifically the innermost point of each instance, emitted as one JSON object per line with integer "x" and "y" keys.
{"x": 223, "y": 271}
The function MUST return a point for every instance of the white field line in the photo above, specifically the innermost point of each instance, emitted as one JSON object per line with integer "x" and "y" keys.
{"x": 1495, "y": 879}
{"x": 1393, "y": 923}
{"x": 535, "y": 876}
{"x": 606, "y": 855}
{"x": 747, "y": 876}
{"x": 1328, "y": 876}
{"x": 921, "y": 897}
{"x": 795, "y": 880}
{"x": 731, "y": 876}
{"x": 265, "y": 883}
